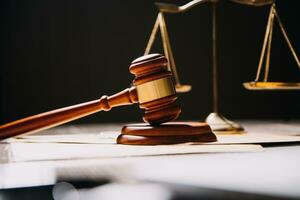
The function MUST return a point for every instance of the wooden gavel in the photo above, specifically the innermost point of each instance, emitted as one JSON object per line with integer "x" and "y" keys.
{"x": 152, "y": 88}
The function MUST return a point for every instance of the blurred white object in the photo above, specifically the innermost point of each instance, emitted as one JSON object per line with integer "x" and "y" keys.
{"x": 117, "y": 191}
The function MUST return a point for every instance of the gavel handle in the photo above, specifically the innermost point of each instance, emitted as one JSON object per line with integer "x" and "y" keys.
{"x": 63, "y": 115}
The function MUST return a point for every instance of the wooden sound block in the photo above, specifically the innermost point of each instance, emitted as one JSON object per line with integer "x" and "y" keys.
{"x": 160, "y": 140}
{"x": 168, "y": 133}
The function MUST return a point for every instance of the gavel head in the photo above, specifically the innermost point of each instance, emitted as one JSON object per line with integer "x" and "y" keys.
{"x": 155, "y": 89}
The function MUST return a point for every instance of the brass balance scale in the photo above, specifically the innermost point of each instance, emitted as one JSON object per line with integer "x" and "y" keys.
{"x": 216, "y": 120}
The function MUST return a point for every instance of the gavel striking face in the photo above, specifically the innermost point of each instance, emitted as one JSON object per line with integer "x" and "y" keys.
{"x": 152, "y": 88}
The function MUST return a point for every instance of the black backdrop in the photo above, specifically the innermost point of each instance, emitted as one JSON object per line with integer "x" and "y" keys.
{"x": 56, "y": 53}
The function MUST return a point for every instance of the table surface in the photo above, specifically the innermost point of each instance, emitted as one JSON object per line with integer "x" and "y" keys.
{"x": 274, "y": 171}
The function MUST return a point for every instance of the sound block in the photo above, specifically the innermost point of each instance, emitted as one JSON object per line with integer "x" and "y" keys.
{"x": 167, "y": 133}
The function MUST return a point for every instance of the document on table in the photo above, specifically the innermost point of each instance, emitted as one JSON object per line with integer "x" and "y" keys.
{"x": 109, "y": 137}
{"x": 256, "y": 138}
{"x": 91, "y": 143}
{"x": 19, "y": 152}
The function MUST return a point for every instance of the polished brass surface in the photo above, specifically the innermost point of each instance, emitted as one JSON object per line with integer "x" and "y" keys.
{"x": 217, "y": 121}
{"x": 265, "y": 55}
{"x": 266, "y": 41}
{"x": 182, "y": 88}
{"x": 214, "y": 60}
{"x": 254, "y": 2}
{"x": 172, "y": 8}
{"x": 161, "y": 24}
{"x": 155, "y": 90}
{"x": 272, "y": 86}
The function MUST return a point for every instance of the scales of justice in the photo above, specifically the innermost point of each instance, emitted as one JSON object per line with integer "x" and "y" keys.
{"x": 216, "y": 120}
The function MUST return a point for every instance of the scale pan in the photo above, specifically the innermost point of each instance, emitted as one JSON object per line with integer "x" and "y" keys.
{"x": 272, "y": 86}
{"x": 254, "y": 2}
{"x": 183, "y": 88}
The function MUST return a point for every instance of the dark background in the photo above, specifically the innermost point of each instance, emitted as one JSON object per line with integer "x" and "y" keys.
{"x": 56, "y": 53}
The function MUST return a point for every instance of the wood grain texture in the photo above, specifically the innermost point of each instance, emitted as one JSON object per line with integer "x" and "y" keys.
{"x": 149, "y": 64}
{"x": 63, "y": 115}
{"x": 146, "y": 68}
{"x": 168, "y": 133}
{"x": 162, "y": 140}
{"x": 167, "y": 129}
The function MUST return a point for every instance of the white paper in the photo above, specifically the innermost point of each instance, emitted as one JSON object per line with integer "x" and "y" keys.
{"x": 59, "y": 151}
